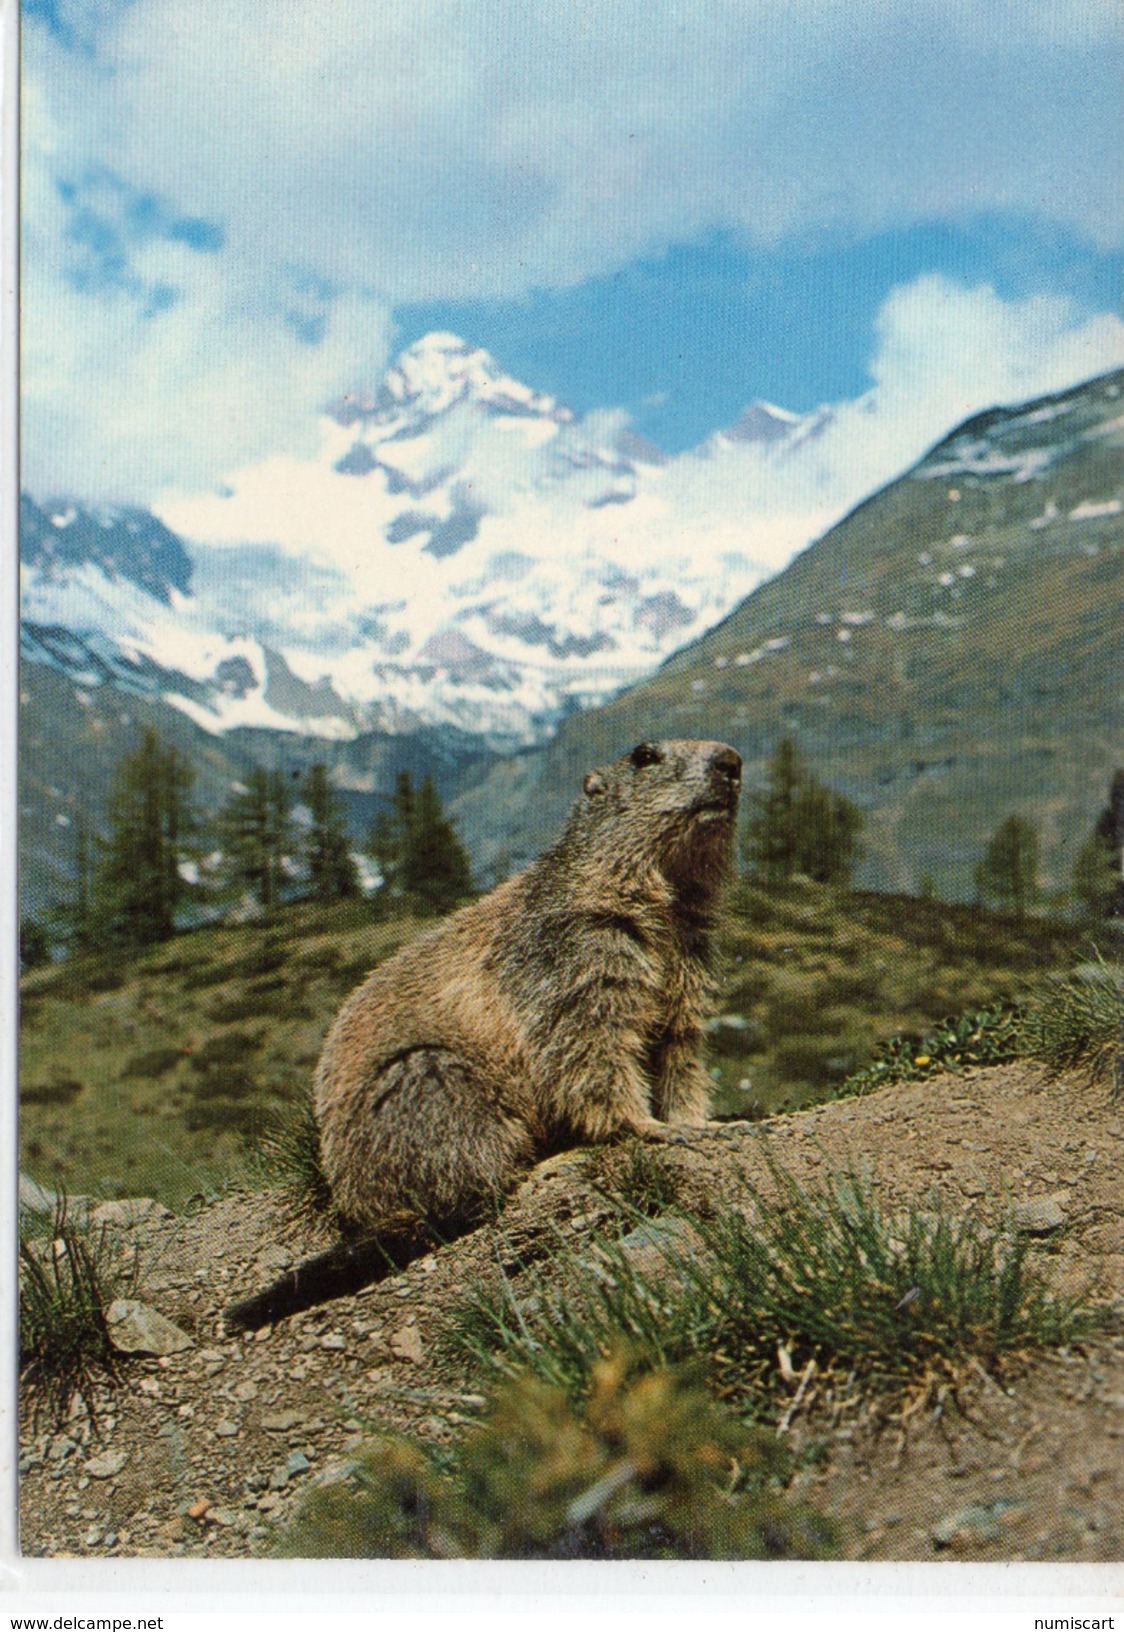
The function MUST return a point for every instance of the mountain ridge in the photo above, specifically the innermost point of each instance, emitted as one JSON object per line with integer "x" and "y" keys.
{"x": 952, "y": 650}
{"x": 452, "y": 509}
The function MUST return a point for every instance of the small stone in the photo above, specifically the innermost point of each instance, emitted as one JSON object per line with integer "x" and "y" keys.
{"x": 279, "y": 1478}
{"x": 246, "y": 1391}
{"x": 980, "y": 1522}
{"x": 274, "y": 1256}
{"x": 33, "y": 1198}
{"x": 227, "y": 1428}
{"x": 225, "y": 1516}
{"x": 135, "y": 1328}
{"x": 211, "y": 1357}
{"x": 658, "y": 1247}
{"x": 262, "y": 1335}
{"x": 407, "y": 1344}
{"x": 333, "y": 1341}
{"x": 297, "y": 1463}
{"x": 110, "y": 1539}
{"x": 282, "y": 1422}
{"x": 198, "y": 1509}
{"x": 124, "y": 1214}
{"x": 1039, "y": 1216}
{"x": 108, "y": 1465}
{"x": 269, "y": 1501}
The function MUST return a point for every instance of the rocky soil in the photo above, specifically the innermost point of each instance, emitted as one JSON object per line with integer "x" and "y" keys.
{"x": 204, "y": 1450}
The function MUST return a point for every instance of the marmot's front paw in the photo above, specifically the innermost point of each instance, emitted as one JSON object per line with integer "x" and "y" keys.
{"x": 661, "y": 1133}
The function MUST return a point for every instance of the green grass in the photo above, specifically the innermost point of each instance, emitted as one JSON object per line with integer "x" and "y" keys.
{"x": 638, "y": 1179}
{"x": 64, "y": 1287}
{"x": 1079, "y": 1022}
{"x": 1073, "y": 1022}
{"x": 814, "y": 980}
{"x": 186, "y": 1055}
{"x": 643, "y": 1465}
{"x": 823, "y": 1274}
{"x": 187, "y": 1060}
{"x": 288, "y": 1158}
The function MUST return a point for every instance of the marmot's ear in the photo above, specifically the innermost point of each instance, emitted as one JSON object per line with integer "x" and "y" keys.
{"x": 594, "y": 784}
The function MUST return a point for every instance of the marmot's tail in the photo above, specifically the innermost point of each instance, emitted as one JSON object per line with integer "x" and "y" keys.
{"x": 342, "y": 1269}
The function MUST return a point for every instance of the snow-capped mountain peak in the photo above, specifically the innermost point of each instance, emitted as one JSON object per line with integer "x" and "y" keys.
{"x": 436, "y": 373}
{"x": 460, "y": 550}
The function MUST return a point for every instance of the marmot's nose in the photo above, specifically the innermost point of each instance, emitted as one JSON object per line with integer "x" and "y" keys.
{"x": 728, "y": 763}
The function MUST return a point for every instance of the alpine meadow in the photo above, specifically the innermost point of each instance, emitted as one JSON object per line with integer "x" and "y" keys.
{"x": 570, "y": 788}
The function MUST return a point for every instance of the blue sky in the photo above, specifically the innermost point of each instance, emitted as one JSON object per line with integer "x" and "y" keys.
{"x": 686, "y": 338}
{"x": 231, "y": 213}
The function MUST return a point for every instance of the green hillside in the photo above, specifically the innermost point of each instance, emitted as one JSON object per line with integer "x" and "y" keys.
{"x": 157, "y": 1076}
{"x": 73, "y": 738}
{"x": 950, "y": 653}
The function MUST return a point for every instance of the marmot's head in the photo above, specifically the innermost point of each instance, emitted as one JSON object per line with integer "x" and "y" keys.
{"x": 672, "y": 805}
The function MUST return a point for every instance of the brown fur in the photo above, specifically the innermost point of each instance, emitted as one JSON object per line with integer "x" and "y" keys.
{"x": 566, "y": 1007}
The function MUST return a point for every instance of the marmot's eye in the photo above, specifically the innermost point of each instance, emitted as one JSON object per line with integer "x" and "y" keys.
{"x": 646, "y": 753}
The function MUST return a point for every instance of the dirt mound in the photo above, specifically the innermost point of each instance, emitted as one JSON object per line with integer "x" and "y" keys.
{"x": 203, "y": 1451}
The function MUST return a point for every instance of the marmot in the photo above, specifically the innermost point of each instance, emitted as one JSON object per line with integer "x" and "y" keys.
{"x": 564, "y": 1008}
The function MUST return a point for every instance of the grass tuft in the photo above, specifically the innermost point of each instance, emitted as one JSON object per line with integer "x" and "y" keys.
{"x": 642, "y": 1465}
{"x": 821, "y": 1274}
{"x": 1079, "y": 1022}
{"x": 288, "y": 1158}
{"x": 639, "y": 1180}
{"x": 63, "y": 1293}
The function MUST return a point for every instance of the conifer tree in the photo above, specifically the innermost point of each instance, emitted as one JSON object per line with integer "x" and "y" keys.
{"x": 256, "y": 829}
{"x": 1007, "y": 876}
{"x": 800, "y": 826}
{"x": 35, "y": 947}
{"x": 73, "y": 920}
{"x": 1110, "y": 831}
{"x": 435, "y": 867}
{"x": 391, "y": 831}
{"x": 417, "y": 849}
{"x": 771, "y": 835}
{"x": 331, "y": 869}
{"x": 137, "y": 885}
{"x": 1096, "y": 879}
{"x": 827, "y": 834}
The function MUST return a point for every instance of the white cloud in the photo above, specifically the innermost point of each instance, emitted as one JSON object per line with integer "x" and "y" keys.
{"x": 416, "y": 149}
{"x": 942, "y": 352}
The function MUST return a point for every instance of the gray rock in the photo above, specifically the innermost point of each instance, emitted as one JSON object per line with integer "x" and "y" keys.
{"x": 106, "y": 1466}
{"x": 980, "y": 1522}
{"x": 657, "y": 1248}
{"x": 1040, "y": 1216}
{"x": 281, "y": 1422}
{"x": 297, "y": 1463}
{"x": 135, "y": 1328}
{"x": 124, "y": 1214}
{"x": 36, "y": 1198}
{"x": 274, "y": 1256}
{"x": 33, "y": 1198}
{"x": 406, "y": 1343}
